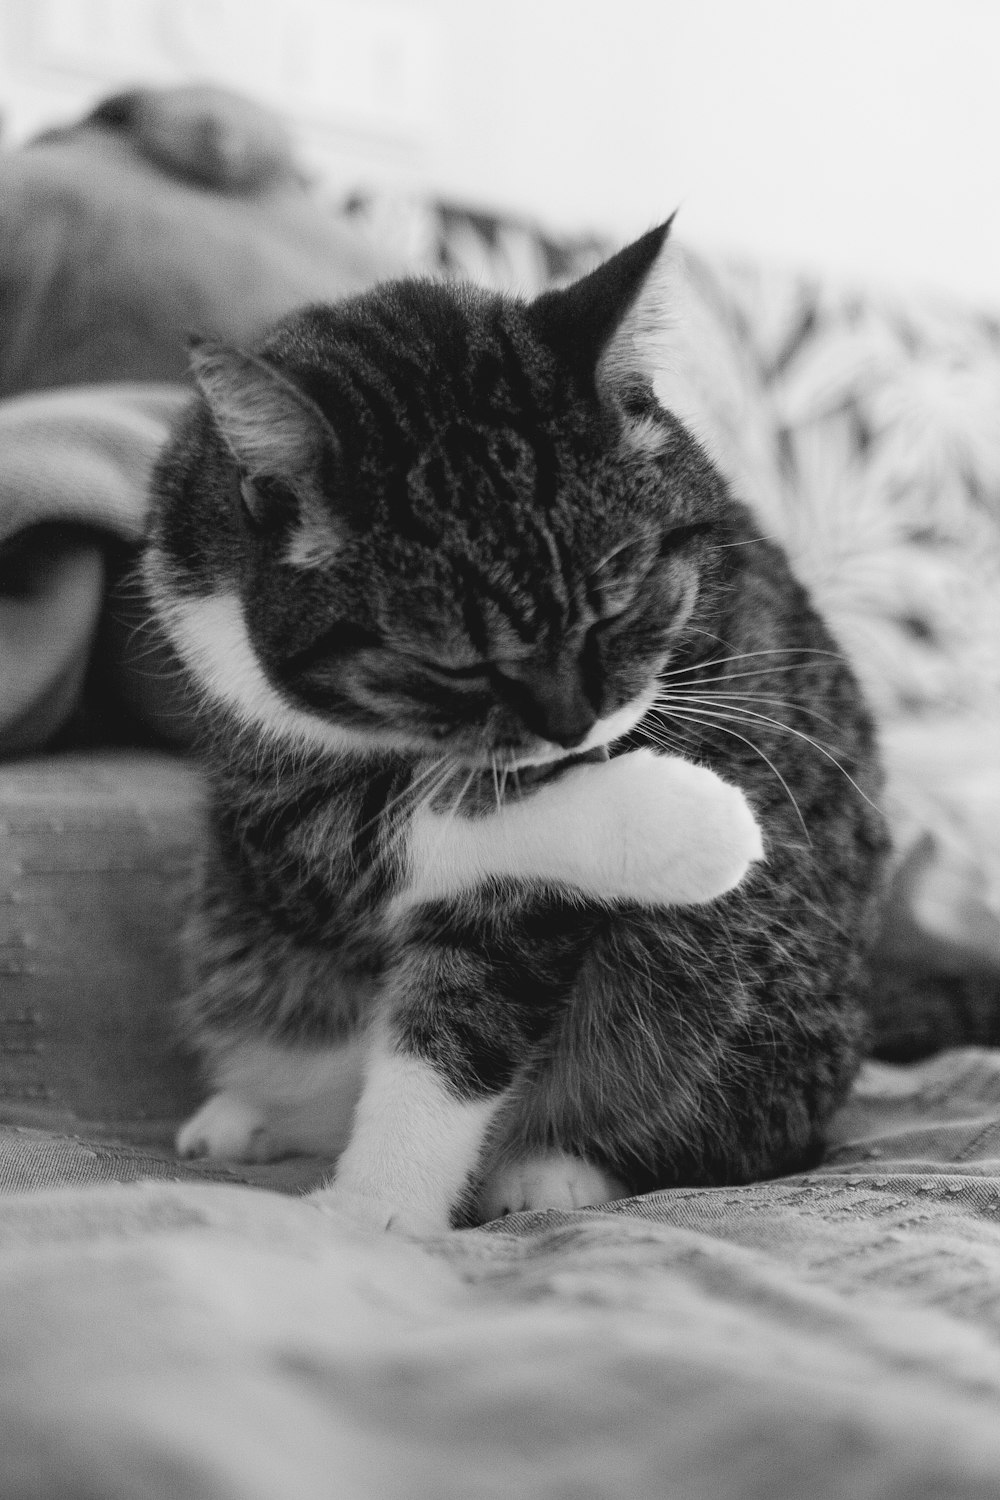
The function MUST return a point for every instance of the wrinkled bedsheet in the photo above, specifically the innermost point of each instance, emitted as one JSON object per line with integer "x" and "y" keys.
{"x": 829, "y": 1335}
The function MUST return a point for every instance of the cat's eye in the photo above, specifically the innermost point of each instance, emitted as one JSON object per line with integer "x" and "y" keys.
{"x": 677, "y": 539}
{"x": 265, "y": 502}
{"x": 340, "y": 639}
{"x": 477, "y": 671}
{"x": 613, "y": 584}
{"x": 612, "y": 598}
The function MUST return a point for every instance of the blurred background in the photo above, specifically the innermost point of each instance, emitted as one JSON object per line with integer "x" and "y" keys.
{"x": 856, "y": 138}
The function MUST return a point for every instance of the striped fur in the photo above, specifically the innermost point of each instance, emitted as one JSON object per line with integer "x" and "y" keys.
{"x": 503, "y": 702}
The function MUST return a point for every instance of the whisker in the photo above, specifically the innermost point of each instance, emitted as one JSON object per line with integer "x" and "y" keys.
{"x": 664, "y": 737}
{"x": 496, "y": 780}
{"x": 737, "y": 699}
{"x": 434, "y": 780}
{"x": 412, "y": 786}
{"x": 738, "y": 656}
{"x": 707, "y": 722}
{"x": 800, "y": 734}
{"x": 452, "y": 813}
{"x": 751, "y": 675}
{"x": 749, "y": 541}
{"x": 427, "y": 798}
{"x": 423, "y": 789}
{"x": 410, "y": 790}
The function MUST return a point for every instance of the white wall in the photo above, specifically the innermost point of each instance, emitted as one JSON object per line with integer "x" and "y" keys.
{"x": 862, "y": 135}
{"x": 859, "y": 136}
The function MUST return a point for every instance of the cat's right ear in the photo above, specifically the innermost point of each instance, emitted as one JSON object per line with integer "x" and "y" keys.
{"x": 272, "y": 429}
{"x": 613, "y": 326}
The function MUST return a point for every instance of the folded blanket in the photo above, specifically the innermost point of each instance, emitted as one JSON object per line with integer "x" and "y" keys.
{"x": 74, "y": 472}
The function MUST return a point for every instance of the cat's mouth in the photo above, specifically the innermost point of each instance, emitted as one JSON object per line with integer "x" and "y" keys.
{"x": 483, "y": 789}
{"x": 548, "y": 758}
{"x": 535, "y": 773}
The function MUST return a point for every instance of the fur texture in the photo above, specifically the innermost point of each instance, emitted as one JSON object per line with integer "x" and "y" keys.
{"x": 430, "y": 557}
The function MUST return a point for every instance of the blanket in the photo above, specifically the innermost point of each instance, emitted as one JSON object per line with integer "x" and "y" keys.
{"x": 165, "y": 212}
{"x": 73, "y": 481}
{"x": 834, "y": 1335}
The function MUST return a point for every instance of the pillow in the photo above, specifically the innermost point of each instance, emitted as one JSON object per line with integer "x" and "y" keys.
{"x": 163, "y": 213}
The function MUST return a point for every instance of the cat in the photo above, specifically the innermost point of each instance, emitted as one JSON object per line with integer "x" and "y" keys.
{"x": 546, "y": 840}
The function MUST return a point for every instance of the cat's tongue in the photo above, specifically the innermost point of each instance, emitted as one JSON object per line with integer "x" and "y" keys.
{"x": 532, "y": 776}
{"x": 599, "y": 752}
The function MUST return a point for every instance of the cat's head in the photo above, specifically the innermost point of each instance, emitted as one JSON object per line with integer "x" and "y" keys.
{"x": 441, "y": 521}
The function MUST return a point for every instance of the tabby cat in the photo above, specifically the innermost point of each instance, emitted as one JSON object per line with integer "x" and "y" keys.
{"x": 545, "y": 847}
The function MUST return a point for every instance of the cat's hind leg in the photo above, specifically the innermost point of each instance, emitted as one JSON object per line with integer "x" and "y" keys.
{"x": 548, "y": 1179}
{"x": 271, "y": 1101}
{"x": 230, "y": 1127}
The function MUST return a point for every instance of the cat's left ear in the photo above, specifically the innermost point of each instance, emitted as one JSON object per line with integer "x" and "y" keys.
{"x": 613, "y": 326}
{"x": 271, "y": 427}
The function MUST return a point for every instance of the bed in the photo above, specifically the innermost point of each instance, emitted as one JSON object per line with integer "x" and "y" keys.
{"x": 201, "y": 1329}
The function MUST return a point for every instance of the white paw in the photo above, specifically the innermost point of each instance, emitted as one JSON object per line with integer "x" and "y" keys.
{"x": 374, "y": 1215}
{"x": 682, "y": 834}
{"x": 553, "y": 1180}
{"x": 228, "y": 1126}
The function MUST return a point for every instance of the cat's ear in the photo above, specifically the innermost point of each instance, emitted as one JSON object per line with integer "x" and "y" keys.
{"x": 271, "y": 428}
{"x": 613, "y": 325}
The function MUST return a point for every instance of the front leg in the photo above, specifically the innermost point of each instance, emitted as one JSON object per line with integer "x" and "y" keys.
{"x": 647, "y": 828}
{"x": 442, "y": 1059}
{"x": 416, "y": 1139}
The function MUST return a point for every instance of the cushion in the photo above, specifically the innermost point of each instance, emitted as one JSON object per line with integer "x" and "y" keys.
{"x": 166, "y": 212}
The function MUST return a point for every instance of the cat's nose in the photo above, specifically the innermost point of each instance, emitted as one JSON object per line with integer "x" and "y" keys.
{"x": 553, "y": 704}
{"x": 567, "y": 729}
{"x": 565, "y": 717}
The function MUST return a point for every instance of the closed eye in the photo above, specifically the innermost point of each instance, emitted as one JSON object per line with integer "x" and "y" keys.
{"x": 477, "y": 671}
{"x": 343, "y": 638}
{"x": 673, "y": 541}
{"x": 618, "y": 580}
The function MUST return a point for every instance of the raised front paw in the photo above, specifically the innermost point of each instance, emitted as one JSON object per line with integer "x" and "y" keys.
{"x": 228, "y": 1126}
{"x": 678, "y": 834}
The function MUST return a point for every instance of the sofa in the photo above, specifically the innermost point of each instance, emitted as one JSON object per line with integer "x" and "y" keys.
{"x": 200, "y": 1328}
